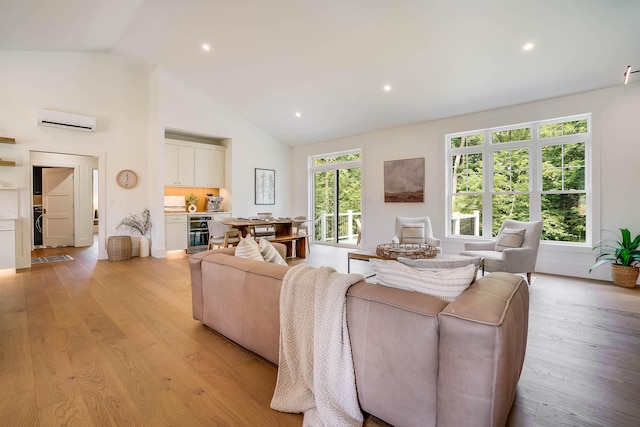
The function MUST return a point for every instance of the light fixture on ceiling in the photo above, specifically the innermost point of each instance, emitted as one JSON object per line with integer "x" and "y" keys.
{"x": 626, "y": 74}
{"x": 386, "y": 88}
{"x": 528, "y": 46}
{"x": 298, "y": 114}
{"x": 206, "y": 47}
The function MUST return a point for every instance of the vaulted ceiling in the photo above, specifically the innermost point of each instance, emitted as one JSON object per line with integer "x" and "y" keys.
{"x": 329, "y": 60}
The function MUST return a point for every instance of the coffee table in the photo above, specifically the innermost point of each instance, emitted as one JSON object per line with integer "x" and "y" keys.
{"x": 438, "y": 261}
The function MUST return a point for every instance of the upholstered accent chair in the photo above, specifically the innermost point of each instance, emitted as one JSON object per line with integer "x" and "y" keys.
{"x": 415, "y": 230}
{"x": 221, "y": 235}
{"x": 514, "y": 250}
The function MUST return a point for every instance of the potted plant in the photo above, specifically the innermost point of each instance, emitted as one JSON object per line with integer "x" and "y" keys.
{"x": 139, "y": 223}
{"x": 624, "y": 256}
{"x": 192, "y": 199}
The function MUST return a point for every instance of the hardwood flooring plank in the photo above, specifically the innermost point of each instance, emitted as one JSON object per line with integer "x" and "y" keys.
{"x": 53, "y": 376}
{"x": 139, "y": 381}
{"x": 206, "y": 403}
{"x": 19, "y": 410}
{"x": 16, "y": 370}
{"x": 104, "y": 396}
{"x": 256, "y": 403}
{"x": 72, "y": 412}
{"x": 12, "y": 294}
{"x": 98, "y": 322}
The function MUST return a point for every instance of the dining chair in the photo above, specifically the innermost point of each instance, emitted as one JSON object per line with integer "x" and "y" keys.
{"x": 302, "y": 223}
{"x": 262, "y": 230}
{"x": 221, "y": 235}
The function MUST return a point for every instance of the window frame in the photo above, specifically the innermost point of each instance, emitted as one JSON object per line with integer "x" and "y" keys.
{"x": 534, "y": 146}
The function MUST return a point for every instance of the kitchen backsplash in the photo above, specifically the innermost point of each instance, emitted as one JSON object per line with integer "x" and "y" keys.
{"x": 200, "y": 193}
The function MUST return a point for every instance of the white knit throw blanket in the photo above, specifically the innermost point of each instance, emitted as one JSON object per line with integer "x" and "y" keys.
{"x": 315, "y": 372}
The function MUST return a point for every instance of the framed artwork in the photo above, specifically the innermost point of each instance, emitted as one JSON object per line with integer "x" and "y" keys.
{"x": 404, "y": 180}
{"x": 265, "y": 187}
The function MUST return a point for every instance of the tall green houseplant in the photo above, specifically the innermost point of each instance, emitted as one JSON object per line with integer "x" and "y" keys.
{"x": 624, "y": 256}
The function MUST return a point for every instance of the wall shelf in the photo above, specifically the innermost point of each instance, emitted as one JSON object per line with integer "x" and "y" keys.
{"x": 7, "y": 163}
{"x": 5, "y": 140}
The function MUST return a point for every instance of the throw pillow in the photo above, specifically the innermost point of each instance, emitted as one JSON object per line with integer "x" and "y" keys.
{"x": 443, "y": 284}
{"x": 248, "y": 248}
{"x": 412, "y": 234}
{"x": 269, "y": 253}
{"x": 510, "y": 238}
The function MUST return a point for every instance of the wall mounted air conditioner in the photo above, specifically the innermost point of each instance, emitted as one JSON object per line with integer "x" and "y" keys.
{"x": 59, "y": 119}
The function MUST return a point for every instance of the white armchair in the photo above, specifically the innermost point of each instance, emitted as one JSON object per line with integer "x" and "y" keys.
{"x": 415, "y": 230}
{"x": 500, "y": 254}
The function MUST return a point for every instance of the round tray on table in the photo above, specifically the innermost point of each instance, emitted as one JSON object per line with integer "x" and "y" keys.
{"x": 413, "y": 251}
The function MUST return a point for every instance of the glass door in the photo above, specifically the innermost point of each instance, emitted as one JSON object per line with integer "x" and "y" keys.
{"x": 337, "y": 199}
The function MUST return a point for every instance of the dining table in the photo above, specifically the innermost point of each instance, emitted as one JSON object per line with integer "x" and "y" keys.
{"x": 296, "y": 244}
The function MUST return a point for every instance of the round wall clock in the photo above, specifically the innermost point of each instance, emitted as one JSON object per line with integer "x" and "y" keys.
{"x": 127, "y": 178}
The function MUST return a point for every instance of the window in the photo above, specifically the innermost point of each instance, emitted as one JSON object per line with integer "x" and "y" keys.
{"x": 523, "y": 172}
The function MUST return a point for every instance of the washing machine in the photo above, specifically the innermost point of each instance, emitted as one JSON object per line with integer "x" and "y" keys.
{"x": 37, "y": 225}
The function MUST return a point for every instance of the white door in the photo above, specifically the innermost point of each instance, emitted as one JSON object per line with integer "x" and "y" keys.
{"x": 57, "y": 200}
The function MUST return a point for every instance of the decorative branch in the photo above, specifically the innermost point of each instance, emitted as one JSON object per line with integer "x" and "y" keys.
{"x": 140, "y": 223}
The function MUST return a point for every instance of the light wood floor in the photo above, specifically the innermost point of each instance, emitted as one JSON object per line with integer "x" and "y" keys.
{"x": 101, "y": 343}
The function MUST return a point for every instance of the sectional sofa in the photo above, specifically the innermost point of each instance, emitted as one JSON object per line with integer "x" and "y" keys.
{"x": 418, "y": 360}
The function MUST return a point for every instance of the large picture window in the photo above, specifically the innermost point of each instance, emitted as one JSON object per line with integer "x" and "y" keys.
{"x": 526, "y": 172}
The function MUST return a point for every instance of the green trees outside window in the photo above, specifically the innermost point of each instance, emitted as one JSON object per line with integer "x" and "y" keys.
{"x": 337, "y": 196}
{"x": 537, "y": 170}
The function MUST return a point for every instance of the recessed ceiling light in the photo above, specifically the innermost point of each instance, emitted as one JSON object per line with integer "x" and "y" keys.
{"x": 206, "y": 47}
{"x": 298, "y": 114}
{"x": 387, "y": 88}
{"x": 527, "y": 46}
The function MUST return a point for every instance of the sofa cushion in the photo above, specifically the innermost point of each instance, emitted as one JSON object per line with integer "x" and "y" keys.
{"x": 269, "y": 253}
{"x": 510, "y": 238}
{"x": 248, "y": 248}
{"x": 443, "y": 284}
{"x": 412, "y": 233}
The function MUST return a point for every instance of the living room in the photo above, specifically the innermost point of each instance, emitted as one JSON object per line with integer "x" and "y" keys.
{"x": 136, "y": 102}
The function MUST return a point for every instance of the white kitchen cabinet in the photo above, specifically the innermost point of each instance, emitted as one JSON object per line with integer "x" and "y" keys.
{"x": 176, "y": 232}
{"x": 179, "y": 165}
{"x": 190, "y": 164}
{"x": 209, "y": 166}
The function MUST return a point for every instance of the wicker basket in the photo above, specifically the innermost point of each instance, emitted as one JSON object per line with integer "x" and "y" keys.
{"x": 625, "y": 276}
{"x": 395, "y": 250}
{"x": 119, "y": 248}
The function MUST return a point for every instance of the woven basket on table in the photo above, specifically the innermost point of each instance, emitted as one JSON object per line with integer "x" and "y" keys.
{"x": 395, "y": 250}
{"x": 119, "y": 248}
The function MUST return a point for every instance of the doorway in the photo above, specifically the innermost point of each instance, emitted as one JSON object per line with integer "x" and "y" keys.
{"x": 337, "y": 198}
{"x": 64, "y": 199}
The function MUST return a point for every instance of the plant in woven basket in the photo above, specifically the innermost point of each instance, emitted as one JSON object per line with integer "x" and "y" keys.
{"x": 624, "y": 256}
{"x": 140, "y": 223}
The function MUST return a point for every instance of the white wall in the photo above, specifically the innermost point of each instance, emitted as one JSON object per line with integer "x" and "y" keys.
{"x": 183, "y": 108}
{"x": 616, "y": 171}
{"x": 100, "y": 85}
{"x": 133, "y": 108}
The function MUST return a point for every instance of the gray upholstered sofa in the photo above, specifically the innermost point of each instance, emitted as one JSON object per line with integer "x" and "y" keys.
{"x": 419, "y": 361}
